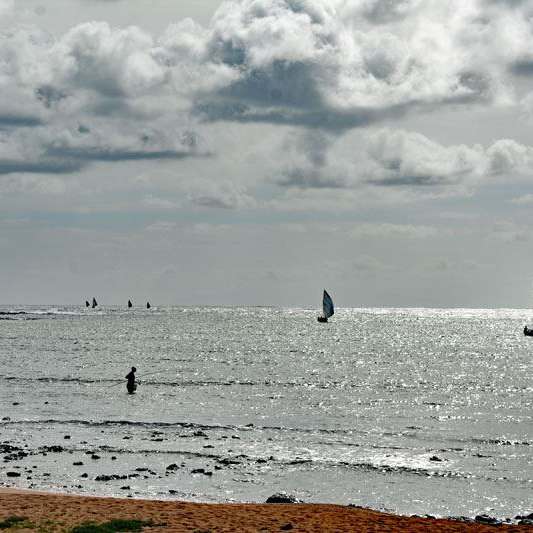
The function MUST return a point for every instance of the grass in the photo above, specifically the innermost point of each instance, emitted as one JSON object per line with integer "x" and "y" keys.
{"x": 14, "y": 521}
{"x": 112, "y": 526}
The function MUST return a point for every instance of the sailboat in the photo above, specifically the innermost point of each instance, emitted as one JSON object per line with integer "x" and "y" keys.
{"x": 95, "y": 303}
{"x": 327, "y": 306}
{"x": 130, "y": 304}
{"x": 148, "y": 305}
{"x": 87, "y": 304}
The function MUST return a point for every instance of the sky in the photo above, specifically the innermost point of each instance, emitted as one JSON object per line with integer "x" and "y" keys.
{"x": 255, "y": 152}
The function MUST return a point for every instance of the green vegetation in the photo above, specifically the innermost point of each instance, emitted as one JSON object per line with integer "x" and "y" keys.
{"x": 14, "y": 521}
{"x": 112, "y": 526}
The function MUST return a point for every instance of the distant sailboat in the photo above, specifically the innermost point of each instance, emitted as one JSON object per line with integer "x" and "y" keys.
{"x": 87, "y": 304}
{"x": 148, "y": 305}
{"x": 327, "y": 307}
{"x": 130, "y": 304}
{"x": 95, "y": 303}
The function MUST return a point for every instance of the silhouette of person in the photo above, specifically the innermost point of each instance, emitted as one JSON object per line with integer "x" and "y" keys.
{"x": 131, "y": 385}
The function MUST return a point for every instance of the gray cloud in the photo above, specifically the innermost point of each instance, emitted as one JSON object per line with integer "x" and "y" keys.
{"x": 318, "y": 64}
{"x": 396, "y": 159}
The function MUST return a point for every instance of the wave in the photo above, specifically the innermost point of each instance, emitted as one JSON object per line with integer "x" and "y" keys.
{"x": 245, "y": 460}
{"x": 251, "y": 427}
{"x": 182, "y": 383}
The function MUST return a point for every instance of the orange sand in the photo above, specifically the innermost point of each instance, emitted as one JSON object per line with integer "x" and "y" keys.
{"x": 66, "y": 511}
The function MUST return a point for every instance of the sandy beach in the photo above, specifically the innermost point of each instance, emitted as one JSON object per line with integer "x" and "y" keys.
{"x": 55, "y": 512}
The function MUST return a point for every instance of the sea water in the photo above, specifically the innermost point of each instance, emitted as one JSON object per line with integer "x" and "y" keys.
{"x": 421, "y": 411}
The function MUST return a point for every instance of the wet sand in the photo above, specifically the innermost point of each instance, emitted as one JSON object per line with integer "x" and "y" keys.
{"x": 61, "y": 512}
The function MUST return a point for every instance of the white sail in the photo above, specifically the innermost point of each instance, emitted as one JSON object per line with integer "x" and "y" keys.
{"x": 327, "y": 305}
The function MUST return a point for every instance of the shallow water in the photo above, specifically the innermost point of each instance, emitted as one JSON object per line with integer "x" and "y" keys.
{"x": 410, "y": 410}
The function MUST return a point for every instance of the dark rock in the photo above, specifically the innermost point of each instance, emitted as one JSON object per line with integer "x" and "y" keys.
{"x": 466, "y": 519}
{"x": 6, "y": 419}
{"x": 236, "y": 437}
{"x": 249, "y": 426}
{"x": 141, "y": 470}
{"x": 53, "y": 449}
{"x": 125, "y": 487}
{"x": 113, "y": 458}
{"x": 172, "y": 491}
{"x": 112, "y": 477}
{"x": 85, "y": 475}
{"x": 95, "y": 456}
{"x": 208, "y": 446}
{"x": 281, "y": 497}
{"x": 486, "y": 519}
{"x": 525, "y": 517}
{"x": 67, "y": 437}
{"x": 435, "y": 459}
{"x": 261, "y": 461}
{"x": 173, "y": 466}
{"x": 199, "y": 434}
{"x": 16, "y": 403}
{"x": 526, "y": 522}
{"x": 228, "y": 461}
{"x": 287, "y": 527}
{"x": 198, "y": 471}
{"x": 13, "y": 474}
{"x": 78, "y": 463}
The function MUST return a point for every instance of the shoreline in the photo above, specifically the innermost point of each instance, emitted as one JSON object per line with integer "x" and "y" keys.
{"x": 62, "y": 511}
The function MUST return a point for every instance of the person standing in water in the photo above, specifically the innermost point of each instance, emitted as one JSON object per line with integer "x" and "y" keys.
{"x": 131, "y": 385}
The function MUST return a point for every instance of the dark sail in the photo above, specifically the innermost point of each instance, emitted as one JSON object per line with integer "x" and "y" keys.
{"x": 95, "y": 303}
{"x": 130, "y": 304}
{"x": 87, "y": 304}
{"x": 327, "y": 306}
{"x": 148, "y": 305}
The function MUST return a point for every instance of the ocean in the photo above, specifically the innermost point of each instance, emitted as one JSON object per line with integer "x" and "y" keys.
{"x": 413, "y": 411}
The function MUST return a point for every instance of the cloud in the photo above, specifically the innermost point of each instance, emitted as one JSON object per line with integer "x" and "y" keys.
{"x": 52, "y": 149}
{"x": 393, "y": 230}
{"x": 101, "y": 93}
{"x": 6, "y": 6}
{"x": 394, "y": 159}
{"x": 526, "y": 199}
{"x": 292, "y": 58}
